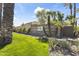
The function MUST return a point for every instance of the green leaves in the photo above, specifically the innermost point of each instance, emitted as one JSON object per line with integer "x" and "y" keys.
{"x": 60, "y": 16}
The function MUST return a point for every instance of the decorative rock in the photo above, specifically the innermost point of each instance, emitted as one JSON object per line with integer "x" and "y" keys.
{"x": 73, "y": 48}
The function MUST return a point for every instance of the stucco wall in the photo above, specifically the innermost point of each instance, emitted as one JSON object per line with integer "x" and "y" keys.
{"x": 67, "y": 31}
{"x": 35, "y": 31}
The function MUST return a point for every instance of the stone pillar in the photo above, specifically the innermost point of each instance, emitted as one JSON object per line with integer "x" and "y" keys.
{"x": 7, "y": 22}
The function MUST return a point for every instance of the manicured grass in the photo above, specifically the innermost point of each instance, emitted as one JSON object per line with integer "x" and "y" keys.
{"x": 24, "y": 45}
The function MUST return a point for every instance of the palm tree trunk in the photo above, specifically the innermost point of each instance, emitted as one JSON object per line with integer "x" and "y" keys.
{"x": 49, "y": 26}
{"x": 0, "y": 14}
{"x": 0, "y": 21}
{"x": 75, "y": 21}
{"x": 44, "y": 31}
{"x": 72, "y": 23}
{"x": 70, "y": 8}
{"x": 8, "y": 12}
{"x": 75, "y": 13}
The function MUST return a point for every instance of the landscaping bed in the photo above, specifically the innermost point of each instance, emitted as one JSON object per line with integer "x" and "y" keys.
{"x": 63, "y": 47}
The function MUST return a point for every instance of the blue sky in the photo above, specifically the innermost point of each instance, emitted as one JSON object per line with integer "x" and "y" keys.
{"x": 24, "y": 12}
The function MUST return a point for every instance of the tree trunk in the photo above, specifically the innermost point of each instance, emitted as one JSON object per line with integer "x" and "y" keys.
{"x": 71, "y": 9}
{"x": 0, "y": 21}
{"x": 0, "y": 14}
{"x": 0, "y": 17}
{"x": 8, "y": 12}
{"x": 49, "y": 26}
{"x": 58, "y": 33}
{"x": 75, "y": 21}
{"x": 44, "y": 31}
{"x": 75, "y": 14}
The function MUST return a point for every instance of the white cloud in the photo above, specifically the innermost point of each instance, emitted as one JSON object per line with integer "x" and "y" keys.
{"x": 48, "y": 10}
{"x": 38, "y": 9}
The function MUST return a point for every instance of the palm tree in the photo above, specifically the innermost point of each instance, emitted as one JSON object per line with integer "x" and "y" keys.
{"x": 74, "y": 10}
{"x": 70, "y": 5}
{"x": 0, "y": 14}
{"x": 41, "y": 15}
{"x": 60, "y": 23}
{"x": 72, "y": 18}
{"x": 49, "y": 26}
{"x": 54, "y": 15}
{"x": 75, "y": 14}
{"x": 8, "y": 12}
{"x": 60, "y": 17}
{"x": 48, "y": 22}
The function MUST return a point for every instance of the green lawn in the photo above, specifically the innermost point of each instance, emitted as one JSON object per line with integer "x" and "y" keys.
{"x": 24, "y": 45}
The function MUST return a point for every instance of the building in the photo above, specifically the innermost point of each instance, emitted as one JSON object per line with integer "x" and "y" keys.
{"x": 37, "y": 30}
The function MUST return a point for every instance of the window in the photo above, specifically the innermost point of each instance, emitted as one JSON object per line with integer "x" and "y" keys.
{"x": 40, "y": 28}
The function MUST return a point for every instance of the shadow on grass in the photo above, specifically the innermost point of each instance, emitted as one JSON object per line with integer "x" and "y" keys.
{"x": 2, "y": 46}
{"x": 3, "y": 43}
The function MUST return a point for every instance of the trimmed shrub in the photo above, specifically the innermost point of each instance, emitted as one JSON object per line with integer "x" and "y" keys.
{"x": 43, "y": 39}
{"x": 28, "y": 31}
